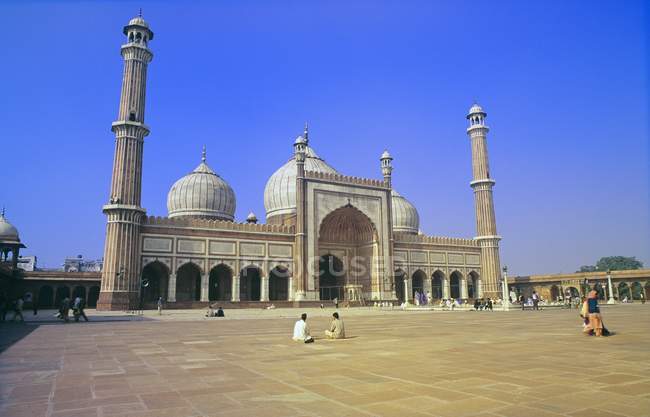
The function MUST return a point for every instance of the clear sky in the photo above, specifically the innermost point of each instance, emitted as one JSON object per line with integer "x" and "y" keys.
{"x": 564, "y": 83}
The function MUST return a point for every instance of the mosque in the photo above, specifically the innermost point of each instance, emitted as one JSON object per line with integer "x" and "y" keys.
{"x": 327, "y": 235}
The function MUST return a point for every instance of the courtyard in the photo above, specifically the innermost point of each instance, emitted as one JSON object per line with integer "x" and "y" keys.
{"x": 394, "y": 363}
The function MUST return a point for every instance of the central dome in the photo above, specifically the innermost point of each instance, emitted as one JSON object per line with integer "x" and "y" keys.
{"x": 202, "y": 193}
{"x": 280, "y": 190}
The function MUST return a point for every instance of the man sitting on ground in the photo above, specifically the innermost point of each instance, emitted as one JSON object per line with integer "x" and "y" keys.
{"x": 337, "y": 329}
{"x": 301, "y": 330}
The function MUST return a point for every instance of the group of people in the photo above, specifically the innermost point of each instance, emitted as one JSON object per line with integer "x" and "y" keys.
{"x": 212, "y": 312}
{"x": 481, "y": 304}
{"x": 77, "y": 306}
{"x": 302, "y": 332}
{"x": 16, "y": 306}
{"x": 422, "y": 299}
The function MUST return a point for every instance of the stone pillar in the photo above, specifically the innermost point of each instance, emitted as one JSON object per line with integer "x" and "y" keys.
{"x": 446, "y": 290}
{"x": 479, "y": 288}
{"x": 407, "y": 291}
{"x": 235, "y": 289}
{"x": 482, "y": 183}
{"x": 264, "y": 291}
{"x": 120, "y": 286}
{"x": 205, "y": 288}
{"x": 171, "y": 288}
{"x": 290, "y": 289}
{"x": 463, "y": 288}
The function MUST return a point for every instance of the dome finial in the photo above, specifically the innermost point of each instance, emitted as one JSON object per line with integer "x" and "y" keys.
{"x": 203, "y": 155}
{"x": 3, "y": 211}
{"x": 140, "y": 12}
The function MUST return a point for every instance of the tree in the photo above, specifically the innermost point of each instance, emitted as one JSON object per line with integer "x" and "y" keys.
{"x": 618, "y": 263}
{"x": 587, "y": 268}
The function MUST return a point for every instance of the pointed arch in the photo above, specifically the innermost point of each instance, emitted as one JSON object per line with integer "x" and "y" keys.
{"x": 220, "y": 283}
{"x": 437, "y": 284}
{"x": 156, "y": 275}
{"x": 188, "y": 282}
{"x": 250, "y": 283}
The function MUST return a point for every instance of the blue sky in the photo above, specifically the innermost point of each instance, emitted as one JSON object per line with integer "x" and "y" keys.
{"x": 564, "y": 83}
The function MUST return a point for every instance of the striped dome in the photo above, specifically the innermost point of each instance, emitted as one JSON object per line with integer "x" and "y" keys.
{"x": 405, "y": 215}
{"x": 202, "y": 193}
{"x": 280, "y": 190}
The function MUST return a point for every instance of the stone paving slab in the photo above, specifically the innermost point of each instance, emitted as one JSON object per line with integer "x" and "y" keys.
{"x": 395, "y": 363}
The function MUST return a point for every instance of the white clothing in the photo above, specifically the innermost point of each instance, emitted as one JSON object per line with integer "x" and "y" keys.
{"x": 301, "y": 331}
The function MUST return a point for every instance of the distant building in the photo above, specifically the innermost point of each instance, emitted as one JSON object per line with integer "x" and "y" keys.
{"x": 27, "y": 263}
{"x": 79, "y": 264}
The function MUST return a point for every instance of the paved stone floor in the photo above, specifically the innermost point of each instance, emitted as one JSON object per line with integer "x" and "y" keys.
{"x": 397, "y": 363}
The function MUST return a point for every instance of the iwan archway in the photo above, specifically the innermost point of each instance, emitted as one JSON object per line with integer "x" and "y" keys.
{"x": 347, "y": 235}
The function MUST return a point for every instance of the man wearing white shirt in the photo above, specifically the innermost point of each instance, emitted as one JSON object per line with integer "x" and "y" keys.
{"x": 301, "y": 330}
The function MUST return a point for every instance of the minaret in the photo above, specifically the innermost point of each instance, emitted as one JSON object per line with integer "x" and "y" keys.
{"x": 486, "y": 225}
{"x": 120, "y": 276}
{"x": 300, "y": 266}
{"x": 387, "y": 171}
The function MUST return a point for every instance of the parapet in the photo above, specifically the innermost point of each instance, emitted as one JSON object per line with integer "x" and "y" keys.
{"x": 345, "y": 179}
{"x": 218, "y": 225}
{"x": 434, "y": 240}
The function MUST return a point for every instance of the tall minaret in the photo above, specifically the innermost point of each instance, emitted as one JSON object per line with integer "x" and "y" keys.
{"x": 486, "y": 225}
{"x": 300, "y": 266}
{"x": 120, "y": 276}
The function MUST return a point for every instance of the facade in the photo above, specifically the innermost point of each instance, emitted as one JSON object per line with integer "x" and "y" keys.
{"x": 327, "y": 235}
{"x": 79, "y": 264}
{"x": 630, "y": 284}
{"x": 27, "y": 263}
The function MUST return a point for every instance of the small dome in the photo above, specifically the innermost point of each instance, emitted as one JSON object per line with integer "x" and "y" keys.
{"x": 251, "y": 218}
{"x": 476, "y": 109}
{"x": 386, "y": 155}
{"x": 299, "y": 140}
{"x": 138, "y": 21}
{"x": 8, "y": 233}
{"x": 202, "y": 193}
{"x": 280, "y": 190}
{"x": 405, "y": 215}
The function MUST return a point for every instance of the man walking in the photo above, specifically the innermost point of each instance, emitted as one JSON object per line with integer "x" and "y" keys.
{"x": 535, "y": 301}
{"x": 160, "y": 304}
{"x": 18, "y": 309}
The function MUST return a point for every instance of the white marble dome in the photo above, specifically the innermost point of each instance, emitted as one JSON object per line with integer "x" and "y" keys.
{"x": 476, "y": 109}
{"x": 405, "y": 215}
{"x": 202, "y": 193}
{"x": 139, "y": 21}
{"x": 280, "y": 190}
{"x": 8, "y": 233}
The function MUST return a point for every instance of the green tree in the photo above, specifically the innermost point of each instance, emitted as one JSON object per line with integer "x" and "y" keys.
{"x": 587, "y": 268}
{"x": 618, "y": 263}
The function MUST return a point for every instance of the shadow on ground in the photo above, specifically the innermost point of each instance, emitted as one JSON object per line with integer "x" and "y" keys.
{"x": 11, "y": 333}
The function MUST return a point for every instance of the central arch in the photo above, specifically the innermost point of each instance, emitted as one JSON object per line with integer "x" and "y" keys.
{"x": 331, "y": 277}
{"x": 349, "y": 236}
